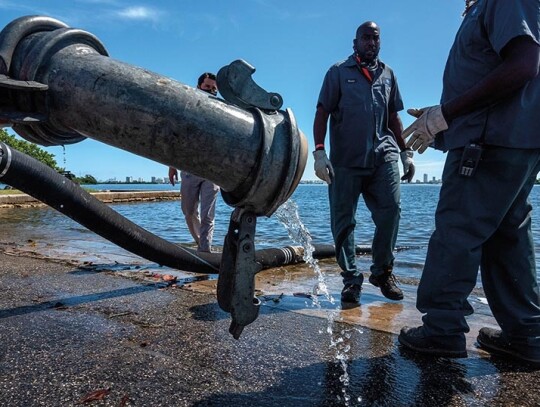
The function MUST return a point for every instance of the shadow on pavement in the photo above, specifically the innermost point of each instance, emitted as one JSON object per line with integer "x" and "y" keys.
{"x": 75, "y": 300}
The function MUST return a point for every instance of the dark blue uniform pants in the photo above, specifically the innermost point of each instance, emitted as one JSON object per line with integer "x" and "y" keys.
{"x": 381, "y": 192}
{"x": 484, "y": 221}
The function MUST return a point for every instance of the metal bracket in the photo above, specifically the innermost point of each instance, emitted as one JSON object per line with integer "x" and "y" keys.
{"x": 236, "y": 86}
{"x": 9, "y": 116}
{"x": 236, "y": 281}
{"x": 10, "y": 83}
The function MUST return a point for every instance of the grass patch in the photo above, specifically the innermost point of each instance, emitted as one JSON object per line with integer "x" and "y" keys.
{"x": 16, "y": 191}
{"x": 10, "y": 192}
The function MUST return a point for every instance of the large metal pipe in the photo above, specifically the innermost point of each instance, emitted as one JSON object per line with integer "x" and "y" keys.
{"x": 256, "y": 156}
{"x": 58, "y": 86}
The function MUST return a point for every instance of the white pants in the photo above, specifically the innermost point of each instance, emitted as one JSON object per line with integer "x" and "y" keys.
{"x": 194, "y": 191}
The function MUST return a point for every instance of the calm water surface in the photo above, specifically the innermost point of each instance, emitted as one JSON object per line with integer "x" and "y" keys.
{"x": 60, "y": 234}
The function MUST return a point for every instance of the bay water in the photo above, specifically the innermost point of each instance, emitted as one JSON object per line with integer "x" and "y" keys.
{"x": 165, "y": 219}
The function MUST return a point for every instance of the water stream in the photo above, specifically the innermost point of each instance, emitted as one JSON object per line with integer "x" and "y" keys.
{"x": 288, "y": 215}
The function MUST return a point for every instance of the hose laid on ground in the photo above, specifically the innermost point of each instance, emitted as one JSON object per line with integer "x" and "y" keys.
{"x": 45, "y": 184}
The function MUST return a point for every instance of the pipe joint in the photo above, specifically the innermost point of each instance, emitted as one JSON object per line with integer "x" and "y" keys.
{"x": 31, "y": 64}
{"x": 281, "y": 162}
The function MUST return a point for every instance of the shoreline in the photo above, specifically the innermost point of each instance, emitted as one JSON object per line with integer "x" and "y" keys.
{"x": 24, "y": 200}
{"x": 288, "y": 288}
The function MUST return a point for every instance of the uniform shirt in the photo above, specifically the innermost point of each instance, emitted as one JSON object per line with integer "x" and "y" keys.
{"x": 359, "y": 111}
{"x": 486, "y": 29}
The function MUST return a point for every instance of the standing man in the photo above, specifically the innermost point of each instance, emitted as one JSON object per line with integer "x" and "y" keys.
{"x": 362, "y": 99}
{"x": 195, "y": 190}
{"x": 488, "y": 123}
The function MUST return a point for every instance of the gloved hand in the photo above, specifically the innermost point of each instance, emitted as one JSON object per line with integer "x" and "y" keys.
{"x": 323, "y": 166}
{"x": 408, "y": 164}
{"x": 424, "y": 129}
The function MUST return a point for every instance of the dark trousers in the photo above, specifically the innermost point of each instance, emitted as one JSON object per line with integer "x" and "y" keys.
{"x": 484, "y": 221}
{"x": 381, "y": 192}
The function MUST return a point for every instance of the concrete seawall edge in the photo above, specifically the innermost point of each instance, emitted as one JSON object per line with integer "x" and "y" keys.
{"x": 24, "y": 200}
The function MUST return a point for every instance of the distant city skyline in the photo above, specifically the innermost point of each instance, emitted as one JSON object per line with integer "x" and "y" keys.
{"x": 165, "y": 180}
{"x": 132, "y": 180}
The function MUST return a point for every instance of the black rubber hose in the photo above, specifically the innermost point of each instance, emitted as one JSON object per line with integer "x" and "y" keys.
{"x": 43, "y": 183}
{"x": 276, "y": 257}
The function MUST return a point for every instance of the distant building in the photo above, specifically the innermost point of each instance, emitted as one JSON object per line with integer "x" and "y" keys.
{"x": 425, "y": 178}
{"x": 129, "y": 179}
{"x": 307, "y": 181}
{"x": 158, "y": 180}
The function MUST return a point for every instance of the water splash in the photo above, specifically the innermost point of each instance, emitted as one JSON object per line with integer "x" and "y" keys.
{"x": 288, "y": 215}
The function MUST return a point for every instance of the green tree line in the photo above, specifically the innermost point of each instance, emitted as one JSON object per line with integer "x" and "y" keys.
{"x": 34, "y": 151}
{"x": 30, "y": 149}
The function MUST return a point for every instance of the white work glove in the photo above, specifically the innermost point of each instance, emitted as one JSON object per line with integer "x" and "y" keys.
{"x": 408, "y": 164}
{"x": 323, "y": 166}
{"x": 424, "y": 129}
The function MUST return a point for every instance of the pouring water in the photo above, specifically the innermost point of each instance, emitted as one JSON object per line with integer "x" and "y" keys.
{"x": 287, "y": 214}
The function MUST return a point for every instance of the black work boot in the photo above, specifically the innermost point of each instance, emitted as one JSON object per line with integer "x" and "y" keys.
{"x": 351, "y": 293}
{"x": 445, "y": 346}
{"x": 388, "y": 285}
{"x": 494, "y": 341}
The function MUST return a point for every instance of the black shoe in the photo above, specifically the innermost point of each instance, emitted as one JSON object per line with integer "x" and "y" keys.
{"x": 388, "y": 285}
{"x": 351, "y": 293}
{"x": 445, "y": 346}
{"x": 493, "y": 341}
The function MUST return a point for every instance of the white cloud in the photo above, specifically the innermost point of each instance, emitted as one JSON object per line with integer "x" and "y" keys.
{"x": 139, "y": 13}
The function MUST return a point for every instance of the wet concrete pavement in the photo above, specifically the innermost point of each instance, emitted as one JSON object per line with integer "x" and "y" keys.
{"x": 69, "y": 332}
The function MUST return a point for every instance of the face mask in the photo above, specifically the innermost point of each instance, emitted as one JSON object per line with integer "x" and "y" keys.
{"x": 213, "y": 92}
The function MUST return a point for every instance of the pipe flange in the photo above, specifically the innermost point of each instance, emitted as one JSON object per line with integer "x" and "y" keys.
{"x": 30, "y": 69}
{"x": 298, "y": 156}
{"x": 49, "y": 44}
{"x": 19, "y": 29}
{"x": 273, "y": 181}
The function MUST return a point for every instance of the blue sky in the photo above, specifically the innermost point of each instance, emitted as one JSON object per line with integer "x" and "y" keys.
{"x": 291, "y": 44}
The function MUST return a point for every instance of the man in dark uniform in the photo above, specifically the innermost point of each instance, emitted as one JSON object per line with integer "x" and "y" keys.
{"x": 488, "y": 123}
{"x": 362, "y": 99}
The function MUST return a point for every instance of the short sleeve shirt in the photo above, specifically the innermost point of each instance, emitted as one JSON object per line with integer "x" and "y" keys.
{"x": 486, "y": 29}
{"x": 359, "y": 112}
